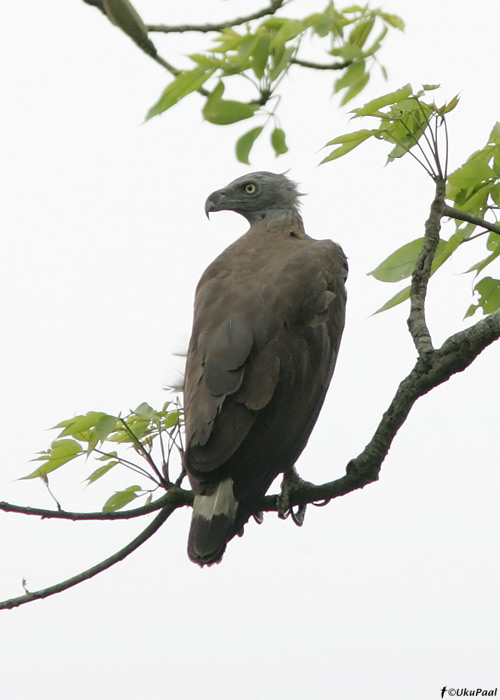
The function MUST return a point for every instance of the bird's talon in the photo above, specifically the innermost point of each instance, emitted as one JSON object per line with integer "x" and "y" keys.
{"x": 299, "y": 515}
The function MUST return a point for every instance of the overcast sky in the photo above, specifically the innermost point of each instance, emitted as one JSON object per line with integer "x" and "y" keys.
{"x": 388, "y": 593}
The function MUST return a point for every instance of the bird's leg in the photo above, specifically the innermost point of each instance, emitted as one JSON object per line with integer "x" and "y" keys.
{"x": 291, "y": 483}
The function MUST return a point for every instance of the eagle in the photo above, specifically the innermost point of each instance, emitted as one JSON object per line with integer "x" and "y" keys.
{"x": 268, "y": 318}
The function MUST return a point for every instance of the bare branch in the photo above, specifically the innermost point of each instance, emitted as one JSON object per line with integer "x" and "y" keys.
{"x": 117, "y": 515}
{"x": 470, "y": 218}
{"x": 420, "y": 279}
{"x": 204, "y": 28}
{"x": 336, "y": 65}
{"x": 175, "y": 500}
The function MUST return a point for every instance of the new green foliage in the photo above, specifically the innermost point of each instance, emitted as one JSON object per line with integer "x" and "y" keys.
{"x": 263, "y": 52}
{"x": 410, "y": 123}
{"x": 117, "y": 441}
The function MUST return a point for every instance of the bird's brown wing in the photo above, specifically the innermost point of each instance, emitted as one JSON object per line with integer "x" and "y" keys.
{"x": 266, "y": 332}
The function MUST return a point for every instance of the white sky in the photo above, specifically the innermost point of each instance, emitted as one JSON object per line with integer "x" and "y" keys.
{"x": 390, "y": 592}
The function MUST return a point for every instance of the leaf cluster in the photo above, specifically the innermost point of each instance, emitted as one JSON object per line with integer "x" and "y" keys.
{"x": 410, "y": 124}
{"x": 262, "y": 55}
{"x": 108, "y": 439}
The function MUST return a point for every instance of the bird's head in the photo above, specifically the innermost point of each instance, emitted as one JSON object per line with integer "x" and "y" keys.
{"x": 256, "y": 196}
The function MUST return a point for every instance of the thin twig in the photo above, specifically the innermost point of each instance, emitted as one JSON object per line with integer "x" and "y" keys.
{"x": 417, "y": 143}
{"x": 433, "y": 147}
{"x": 68, "y": 515}
{"x": 430, "y": 173}
{"x": 337, "y": 65}
{"x": 164, "y": 462}
{"x": 150, "y": 530}
{"x": 142, "y": 450}
{"x": 217, "y": 27}
{"x": 126, "y": 463}
{"x": 446, "y": 143}
{"x": 470, "y": 218}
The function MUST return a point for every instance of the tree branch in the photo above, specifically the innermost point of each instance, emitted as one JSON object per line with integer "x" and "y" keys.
{"x": 336, "y": 65}
{"x": 431, "y": 370}
{"x": 204, "y": 28}
{"x": 435, "y": 368}
{"x": 175, "y": 500}
{"x": 96, "y": 3}
{"x": 416, "y": 321}
{"x": 117, "y": 515}
{"x": 470, "y": 218}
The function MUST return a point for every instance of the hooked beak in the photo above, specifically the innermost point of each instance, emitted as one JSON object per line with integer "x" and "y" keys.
{"x": 215, "y": 202}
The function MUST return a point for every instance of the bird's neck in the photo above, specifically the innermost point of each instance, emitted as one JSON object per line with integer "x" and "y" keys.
{"x": 276, "y": 217}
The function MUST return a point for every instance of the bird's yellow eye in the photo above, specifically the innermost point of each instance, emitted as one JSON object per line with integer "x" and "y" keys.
{"x": 250, "y": 188}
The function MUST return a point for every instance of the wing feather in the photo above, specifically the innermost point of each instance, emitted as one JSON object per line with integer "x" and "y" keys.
{"x": 250, "y": 342}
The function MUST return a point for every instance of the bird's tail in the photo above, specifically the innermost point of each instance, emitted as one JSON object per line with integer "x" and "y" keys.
{"x": 212, "y": 524}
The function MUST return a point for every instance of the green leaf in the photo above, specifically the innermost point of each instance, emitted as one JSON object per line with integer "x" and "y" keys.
{"x": 289, "y": 29}
{"x": 349, "y": 142}
{"x": 321, "y": 23}
{"x": 339, "y": 152}
{"x": 182, "y": 85}
{"x": 398, "y": 298}
{"x": 245, "y": 51}
{"x": 124, "y": 15}
{"x": 471, "y": 173}
{"x": 281, "y": 61}
{"x": 144, "y": 410}
{"x": 493, "y": 244}
{"x": 355, "y": 89}
{"x": 219, "y": 111}
{"x": 495, "y": 194}
{"x": 376, "y": 44}
{"x": 273, "y": 23}
{"x": 79, "y": 425}
{"x": 475, "y": 202}
{"x": 449, "y": 106}
{"x": 351, "y": 76}
{"x": 120, "y": 499}
{"x": 104, "y": 426}
{"x": 207, "y": 61}
{"x": 108, "y": 455}
{"x": 171, "y": 419}
{"x": 349, "y": 52}
{"x": 400, "y": 264}
{"x": 278, "y": 141}
{"x": 60, "y": 452}
{"x": 393, "y": 20}
{"x": 228, "y": 40}
{"x": 372, "y": 108}
{"x": 494, "y": 137}
{"x": 261, "y": 54}
{"x": 489, "y": 296}
{"x": 245, "y": 143}
{"x": 361, "y": 32}
{"x": 357, "y": 136}
{"x": 101, "y": 471}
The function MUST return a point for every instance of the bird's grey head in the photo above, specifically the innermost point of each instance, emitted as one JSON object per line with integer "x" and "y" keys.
{"x": 257, "y": 196}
